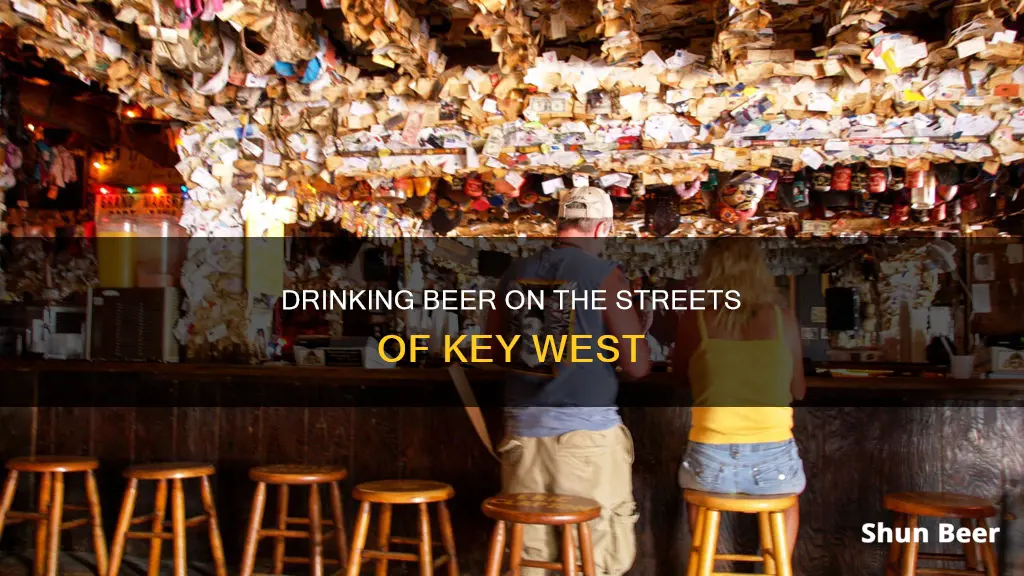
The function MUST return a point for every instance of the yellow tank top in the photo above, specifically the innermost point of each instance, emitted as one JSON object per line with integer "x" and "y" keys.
{"x": 741, "y": 389}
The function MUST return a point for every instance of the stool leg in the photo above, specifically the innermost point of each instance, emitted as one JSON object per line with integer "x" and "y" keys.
{"x": 10, "y": 485}
{"x": 355, "y": 553}
{"x": 339, "y": 523}
{"x": 709, "y": 543}
{"x": 96, "y": 516}
{"x": 515, "y": 549}
{"x": 252, "y": 535}
{"x": 909, "y": 561}
{"x": 892, "y": 563}
{"x": 316, "y": 533}
{"x": 383, "y": 537}
{"x": 783, "y": 564}
{"x": 568, "y": 552}
{"x": 971, "y": 548}
{"x": 444, "y": 518}
{"x": 124, "y": 521}
{"x": 767, "y": 551}
{"x": 496, "y": 551}
{"x": 53, "y": 530}
{"x": 178, "y": 527}
{"x": 698, "y": 535}
{"x": 426, "y": 547}
{"x": 587, "y": 550}
{"x": 45, "y": 493}
{"x": 216, "y": 546}
{"x": 988, "y": 553}
{"x": 157, "y": 527}
{"x": 282, "y": 524}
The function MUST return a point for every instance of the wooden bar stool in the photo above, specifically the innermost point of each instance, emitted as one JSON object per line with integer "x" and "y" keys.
{"x": 49, "y": 518}
{"x": 544, "y": 509}
{"x": 772, "y": 528}
{"x": 386, "y": 493}
{"x": 161, "y": 473}
{"x": 284, "y": 476}
{"x": 971, "y": 512}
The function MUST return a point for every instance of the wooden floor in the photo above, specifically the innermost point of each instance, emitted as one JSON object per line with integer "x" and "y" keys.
{"x": 76, "y": 564}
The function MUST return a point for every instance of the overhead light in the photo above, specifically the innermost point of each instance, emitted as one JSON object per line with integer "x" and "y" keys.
{"x": 131, "y": 114}
{"x": 157, "y": 190}
{"x": 31, "y": 127}
{"x": 98, "y": 165}
{"x": 104, "y": 190}
{"x": 38, "y": 81}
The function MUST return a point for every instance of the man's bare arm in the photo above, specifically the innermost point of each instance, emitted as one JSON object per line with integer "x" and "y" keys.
{"x": 619, "y": 322}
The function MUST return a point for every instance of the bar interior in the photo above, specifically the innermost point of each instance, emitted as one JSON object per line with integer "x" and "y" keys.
{"x": 171, "y": 170}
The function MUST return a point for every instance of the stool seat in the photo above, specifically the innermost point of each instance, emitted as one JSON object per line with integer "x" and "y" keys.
{"x": 43, "y": 464}
{"x": 940, "y": 505}
{"x": 545, "y": 509}
{"x": 745, "y": 503}
{"x": 297, "y": 474}
{"x": 169, "y": 471}
{"x": 403, "y": 492}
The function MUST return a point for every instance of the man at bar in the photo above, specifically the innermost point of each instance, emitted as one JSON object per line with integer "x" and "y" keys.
{"x": 563, "y": 430}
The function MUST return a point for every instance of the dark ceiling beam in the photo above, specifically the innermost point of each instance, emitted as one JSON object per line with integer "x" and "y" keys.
{"x": 59, "y": 108}
{"x": 100, "y": 126}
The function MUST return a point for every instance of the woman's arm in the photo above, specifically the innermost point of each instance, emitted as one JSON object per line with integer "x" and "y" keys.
{"x": 798, "y": 386}
{"x": 687, "y": 342}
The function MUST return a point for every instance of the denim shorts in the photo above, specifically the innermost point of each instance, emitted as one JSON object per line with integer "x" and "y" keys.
{"x": 759, "y": 469}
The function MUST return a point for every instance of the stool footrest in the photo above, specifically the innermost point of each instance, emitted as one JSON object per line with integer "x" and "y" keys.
{"x": 306, "y": 521}
{"x": 149, "y": 535}
{"x": 16, "y": 517}
{"x": 189, "y": 523}
{"x": 739, "y": 558}
{"x": 414, "y": 541}
{"x": 555, "y": 566}
{"x": 141, "y": 519}
{"x": 382, "y": 555}
{"x": 946, "y": 557}
{"x": 74, "y": 523}
{"x": 274, "y": 532}
{"x": 305, "y": 560}
{"x": 13, "y": 518}
{"x": 941, "y": 572}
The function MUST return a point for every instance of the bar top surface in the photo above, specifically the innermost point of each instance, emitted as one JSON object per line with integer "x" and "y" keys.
{"x": 1004, "y": 388}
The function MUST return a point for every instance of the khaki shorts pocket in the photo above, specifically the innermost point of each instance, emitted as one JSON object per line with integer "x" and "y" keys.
{"x": 510, "y": 451}
{"x": 628, "y": 444}
{"x": 583, "y": 446}
{"x": 618, "y": 557}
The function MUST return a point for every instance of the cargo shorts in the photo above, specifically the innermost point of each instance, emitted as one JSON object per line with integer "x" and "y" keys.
{"x": 596, "y": 465}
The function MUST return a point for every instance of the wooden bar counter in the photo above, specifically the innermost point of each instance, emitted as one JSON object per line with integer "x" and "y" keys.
{"x": 859, "y": 438}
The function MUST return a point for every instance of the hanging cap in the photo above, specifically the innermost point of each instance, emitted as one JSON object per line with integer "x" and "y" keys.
{"x": 587, "y": 202}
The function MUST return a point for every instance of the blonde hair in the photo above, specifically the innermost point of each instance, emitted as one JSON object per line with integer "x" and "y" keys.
{"x": 738, "y": 264}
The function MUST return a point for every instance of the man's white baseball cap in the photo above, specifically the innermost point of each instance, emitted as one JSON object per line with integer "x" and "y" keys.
{"x": 585, "y": 202}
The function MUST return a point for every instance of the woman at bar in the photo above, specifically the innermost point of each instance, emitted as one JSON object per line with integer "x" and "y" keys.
{"x": 744, "y": 367}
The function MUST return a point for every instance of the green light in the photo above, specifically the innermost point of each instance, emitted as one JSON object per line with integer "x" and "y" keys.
{"x": 131, "y": 190}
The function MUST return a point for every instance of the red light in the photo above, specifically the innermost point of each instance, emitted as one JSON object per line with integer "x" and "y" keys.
{"x": 104, "y": 190}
